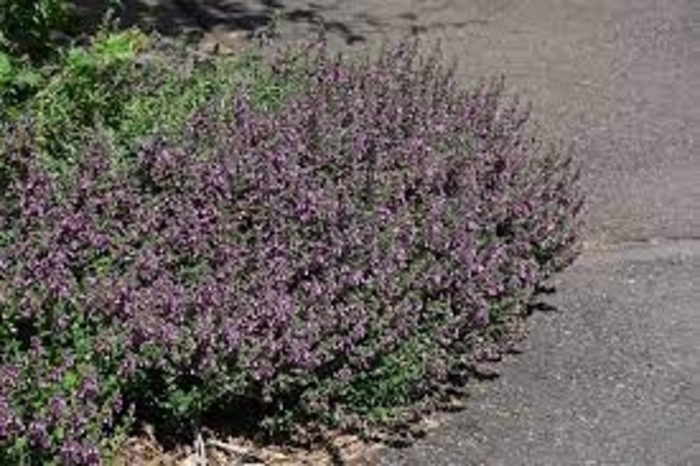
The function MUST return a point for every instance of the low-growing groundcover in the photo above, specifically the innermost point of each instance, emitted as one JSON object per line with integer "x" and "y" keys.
{"x": 321, "y": 263}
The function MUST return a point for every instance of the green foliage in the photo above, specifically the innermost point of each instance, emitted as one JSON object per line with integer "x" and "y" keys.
{"x": 397, "y": 380}
{"x": 34, "y": 48}
{"x": 30, "y": 27}
{"x": 164, "y": 106}
{"x": 392, "y": 382}
{"x": 130, "y": 86}
{"x": 85, "y": 90}
{"x": 18, "y": 81}
{"x": 173, "y": 96}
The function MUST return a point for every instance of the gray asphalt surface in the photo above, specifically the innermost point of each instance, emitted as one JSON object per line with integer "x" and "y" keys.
{"x": 614, "y": 377}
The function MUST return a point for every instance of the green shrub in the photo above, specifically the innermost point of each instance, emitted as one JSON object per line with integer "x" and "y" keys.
{"x": 130, "y": 86}
{"x": 18, "y": 82}
{"x": 84, "y": 90}
{"x": 29, "y": 28}
{"x": 31, "y": 35}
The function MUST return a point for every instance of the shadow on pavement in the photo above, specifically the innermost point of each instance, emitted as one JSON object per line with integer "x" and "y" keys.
{"x": 193, "y": 18}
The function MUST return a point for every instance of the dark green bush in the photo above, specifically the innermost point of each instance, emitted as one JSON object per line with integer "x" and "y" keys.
{"x": 32, "y": 34}
{"x": 29, "y": 28}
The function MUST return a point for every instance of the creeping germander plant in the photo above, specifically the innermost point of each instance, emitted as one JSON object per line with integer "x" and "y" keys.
{"x": 328, "y": 258}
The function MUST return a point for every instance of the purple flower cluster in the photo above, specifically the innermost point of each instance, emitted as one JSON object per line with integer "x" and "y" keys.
{"x": 266, "y": 250}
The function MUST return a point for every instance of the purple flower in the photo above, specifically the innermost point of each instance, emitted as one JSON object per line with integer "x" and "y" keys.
{"x": 8, "y": 419}
{"x": 38, "y": 434}
{"x": 57, "y": 408}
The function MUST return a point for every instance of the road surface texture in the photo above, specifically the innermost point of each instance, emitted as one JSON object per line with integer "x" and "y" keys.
{"x": 613, "y": 377}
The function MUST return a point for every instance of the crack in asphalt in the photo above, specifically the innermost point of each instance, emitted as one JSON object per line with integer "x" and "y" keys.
{"x": 643, "y": 249}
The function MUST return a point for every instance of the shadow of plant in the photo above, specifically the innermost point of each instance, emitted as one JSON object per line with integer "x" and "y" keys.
{"x": 197, "y": 17}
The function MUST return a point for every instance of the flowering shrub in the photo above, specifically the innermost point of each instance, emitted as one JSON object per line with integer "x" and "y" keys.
{"x": 327, "y": 256}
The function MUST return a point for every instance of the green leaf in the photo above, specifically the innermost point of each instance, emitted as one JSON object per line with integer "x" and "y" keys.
{"x": 79, "y": 59}
{"x": 6, "y": 68}
{"x": 70, "y": 380}
{"x": 119, "y": 47}
{"x": 181, "y": 402}
{"x": 29, "y": 78}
